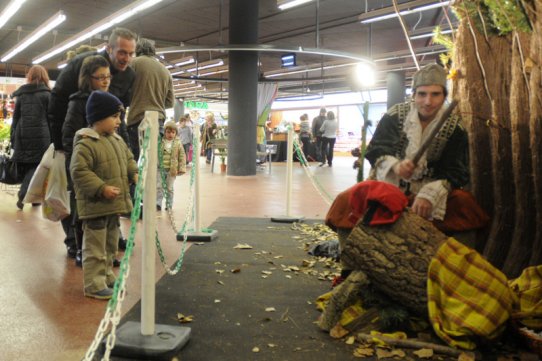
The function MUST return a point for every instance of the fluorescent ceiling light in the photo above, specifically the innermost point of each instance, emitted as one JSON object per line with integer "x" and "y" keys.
{"x": 287, "y": 4}
{"x": 183, "y": 61}
{"x": 62, "y": 64}
{"x": 434, "y": 49}
{"x": 113, "y": 19}
{"x": 429, "y": 35}
{"x": 43, "y": 29}
{"x": 10, "y": 10}
{"x": 404, "y": 9}
{"x": 201, "y": 66}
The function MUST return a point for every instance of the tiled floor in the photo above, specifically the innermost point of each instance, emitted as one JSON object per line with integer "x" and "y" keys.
{"x": 43, "y": 311}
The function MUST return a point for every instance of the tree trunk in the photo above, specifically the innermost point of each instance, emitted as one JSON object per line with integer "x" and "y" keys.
{"x": 396, "y": 257}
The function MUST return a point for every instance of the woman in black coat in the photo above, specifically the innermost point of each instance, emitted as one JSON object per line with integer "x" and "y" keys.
{"x": 30, "y": 135}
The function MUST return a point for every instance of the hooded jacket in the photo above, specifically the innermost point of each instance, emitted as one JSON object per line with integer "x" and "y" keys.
{"x": 97, "y": 161}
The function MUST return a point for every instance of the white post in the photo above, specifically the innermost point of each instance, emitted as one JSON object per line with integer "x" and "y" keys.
{"x": 195, "y": 163}
{"x": 289, "y": 166}
{"x": 148, "y": 298}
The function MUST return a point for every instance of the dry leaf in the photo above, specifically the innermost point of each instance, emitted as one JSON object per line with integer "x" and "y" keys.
{"x": 338, "y": 331}
{"x": 184, "y": 319}
{"x": 256, "y": 349}
{"x": 364, "y": 352}
{"x": 271, "y": 345}
{"x": 350, "y": 340}
{"x": 235, "y": 270}
{"x": 381, "y": 353}
{"x": 398, "y": 353}
{"x": 265, "y": 276}
{"x": 288, "y": 276}
{"x": 267, "y": 272}
{"x": 220, "y": 283}
{"x": 217, "y": 301}
{"x": 464, "y": 356}
{"x": 424, "y": 353}
{"x": 219, "y": 271}
{"x": 270, "y": 309}
{"x": 242, "y": 246}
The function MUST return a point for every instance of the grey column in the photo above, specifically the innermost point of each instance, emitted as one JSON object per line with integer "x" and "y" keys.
{"x": 243, "y": 89}
{"x": 178, "y": 109}
{"x": 395, "y": 83}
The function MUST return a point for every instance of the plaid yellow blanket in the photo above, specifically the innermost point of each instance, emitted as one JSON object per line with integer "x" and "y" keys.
{"x": 469, "y": 298}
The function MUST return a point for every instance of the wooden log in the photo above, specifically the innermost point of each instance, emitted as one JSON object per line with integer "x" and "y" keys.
{"x": 396, "y": 257}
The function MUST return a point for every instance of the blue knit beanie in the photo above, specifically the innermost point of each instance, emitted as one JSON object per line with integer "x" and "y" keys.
{"x": 101, "y": 105}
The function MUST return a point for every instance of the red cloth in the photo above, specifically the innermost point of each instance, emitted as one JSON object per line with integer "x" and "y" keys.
{"x": 391, "y": 202}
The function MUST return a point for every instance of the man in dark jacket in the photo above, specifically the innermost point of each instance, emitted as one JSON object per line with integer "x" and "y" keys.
{"x": 119, "y": 52}
{"x": 317, "y": 134}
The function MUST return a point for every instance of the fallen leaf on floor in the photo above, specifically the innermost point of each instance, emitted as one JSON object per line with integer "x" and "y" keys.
{"x": 267, "y": 273}
{"x": 381, "y": 353}
{"x": 217, "y": 301}
{"x": 350, "y": 340}
{"x": 364, "y": 351}
{"x": 277, "y": 257}
{"x": 297, "y": 349}
{"x": 242, "y": 246}
{"x": 270, "y": 309}
{"x": 271, "y": 345}
{"x": 398, "y": 353}
{"x": 288, "y": 276}
{"x": 199, "y": 243}
{"x": 468, "y": 357}
{"x": 256, "y": 349}
{"x": 235, "y": 270}
{"x": 220, "y": 283}
{"x": 424, "y": 353}
{"x": 265, "y": 276}
{"x": 338, "y": 331}
{"x": 219, "y": 271}
{"x": 217, "y": 262}
{"x": 184, "y": 319}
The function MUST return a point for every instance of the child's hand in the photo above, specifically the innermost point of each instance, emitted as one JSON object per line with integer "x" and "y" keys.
{"x": 110, "y": 192}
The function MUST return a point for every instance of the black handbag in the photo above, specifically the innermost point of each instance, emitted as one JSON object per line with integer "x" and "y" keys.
{"x": 9, "y": 171}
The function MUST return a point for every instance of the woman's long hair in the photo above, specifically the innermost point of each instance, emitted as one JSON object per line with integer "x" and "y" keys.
{"x": 38, "y": 75}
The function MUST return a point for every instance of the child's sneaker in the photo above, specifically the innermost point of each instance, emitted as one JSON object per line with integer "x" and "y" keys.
{"x": 104, "y": 294}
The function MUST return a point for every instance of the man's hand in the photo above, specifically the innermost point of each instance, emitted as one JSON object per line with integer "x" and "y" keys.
{"x": 110, "y": 192}
{"x": 422, "y": 207}
{"x": 404, "y": 168}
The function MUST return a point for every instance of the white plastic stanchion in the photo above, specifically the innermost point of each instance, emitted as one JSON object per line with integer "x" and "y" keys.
{"x": 288, "y": 218}
{"x": 147, "y": 339}
{"x": 197, "y": 235}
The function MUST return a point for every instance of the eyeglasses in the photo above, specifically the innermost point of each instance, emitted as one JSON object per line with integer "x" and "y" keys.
{"x": 101, "y": 77}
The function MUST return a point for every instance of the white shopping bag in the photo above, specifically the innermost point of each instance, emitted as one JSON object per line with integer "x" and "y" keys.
{"x": 36, "y": 188}
{"x": 56, "y": 204}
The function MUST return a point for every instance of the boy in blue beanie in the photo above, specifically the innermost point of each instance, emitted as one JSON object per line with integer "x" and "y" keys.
{"x": 101, "y": 168}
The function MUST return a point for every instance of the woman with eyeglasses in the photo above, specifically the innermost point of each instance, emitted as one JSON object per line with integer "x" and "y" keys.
{"x": 94, "y": 75}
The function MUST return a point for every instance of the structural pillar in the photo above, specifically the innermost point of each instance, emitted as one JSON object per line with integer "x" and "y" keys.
{"x": 395, "y": 84}
{"x": 243, "y": 89}
{"x": 178, "y": 109}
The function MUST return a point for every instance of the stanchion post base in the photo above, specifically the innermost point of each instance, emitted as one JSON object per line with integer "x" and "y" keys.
{"x": 287, "y": 219}
{"x": 199, "y": 236}
{"x": 166, "y": 342}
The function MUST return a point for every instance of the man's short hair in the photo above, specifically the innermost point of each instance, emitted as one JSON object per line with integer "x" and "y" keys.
{"x": 145, "y": 47}
{"x": 121, "y": 33}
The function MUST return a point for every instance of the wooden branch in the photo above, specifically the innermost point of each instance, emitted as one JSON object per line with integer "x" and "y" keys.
{"x": 396, "y": 7}
{"x": 445, "y": 350}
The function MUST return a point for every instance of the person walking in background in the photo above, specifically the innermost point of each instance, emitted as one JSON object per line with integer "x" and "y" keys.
{"x": 101, "y": 167}
{"x": 305, "y": 134}
{"x": 209, "y": 130}
{"x": 317, "y": 134}
{"x": 152, "y": 90}
{"x": 30, "y": 135}
{"x": 94, "y": 75}
{"x": 329, "y": 133}
{"x": 185, "y": 135}
{"x": 173, "y": 163}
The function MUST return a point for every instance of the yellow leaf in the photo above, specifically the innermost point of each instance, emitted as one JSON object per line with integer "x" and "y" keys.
{"x": 424, "y": 353}
{"x": 270, "y": 309}
{"x": 242, "y": 246}
{"x": 256, "y": 349}
{"x": 364, "y": 351}
{"x": 466, "y": 357}
{"x": 338, "y": 331}
{"x": 381, "y": 353}
{"x": 350, "y": 340}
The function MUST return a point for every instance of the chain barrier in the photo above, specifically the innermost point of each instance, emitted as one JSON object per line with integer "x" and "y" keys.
{"x": 305, "y": 164}
{"x": 114, "y": 306}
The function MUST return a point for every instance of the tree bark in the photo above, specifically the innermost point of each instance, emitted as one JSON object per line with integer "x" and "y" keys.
{"x": 396, "y": 257}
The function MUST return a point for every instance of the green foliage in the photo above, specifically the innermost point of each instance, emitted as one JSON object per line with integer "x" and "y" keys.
{"x": 4, "y": 131}
{"x": 447, "y": 41}
{"x": 495, "y": 16}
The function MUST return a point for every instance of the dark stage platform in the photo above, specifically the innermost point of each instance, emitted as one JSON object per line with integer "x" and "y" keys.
{"x": 229, "y": 309}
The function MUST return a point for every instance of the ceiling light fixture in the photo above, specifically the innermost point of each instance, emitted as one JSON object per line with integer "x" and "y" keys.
{"x": 43, "y": 29}
{"x": 10, "y": 10}
{"x": 428, "y": 50}
{"x": 108, "y": 22}
{"x": 404, "y": 9}
{"x": 287, "y": 4}
{"x": 429, "y": 35}
{"x": 201, "y": 66}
